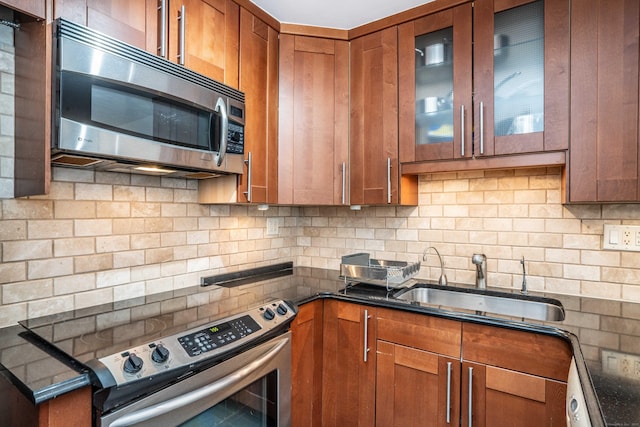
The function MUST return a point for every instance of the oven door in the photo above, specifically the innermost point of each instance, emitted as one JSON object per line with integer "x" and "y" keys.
{"x": 250, "y": 389}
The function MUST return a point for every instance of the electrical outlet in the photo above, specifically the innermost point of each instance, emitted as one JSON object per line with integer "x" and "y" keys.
{"x": 272, "y": 226}
{"x": 621, "y": 237}
{"x": 621, "y": 364}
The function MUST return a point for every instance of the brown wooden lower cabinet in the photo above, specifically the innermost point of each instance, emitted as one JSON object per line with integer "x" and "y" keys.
{"x": 509, "y": 398}
{"x": 415, "y": 387}
{"x": 422, "y": 370}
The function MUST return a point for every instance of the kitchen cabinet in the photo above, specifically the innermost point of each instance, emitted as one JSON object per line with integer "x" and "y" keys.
{"x": 313, "y": 141}
{"x": 422, "y": 369}
{"x": 374, "y": 163}
{"x": 513, "y": 378}
{"x": 306, "y": 369}
{"x": 72, "y": 409}
{"x": 202, "y": 35}
{"x": 128, "y": 21}
{"x": 259, "y": 82}
{"x": 34, "y": 8}
{"x": 417, "y": 370}
{"x": 349, "y": 364}
{"x": 604, "y": 156}
{"x": 490, "y": 79}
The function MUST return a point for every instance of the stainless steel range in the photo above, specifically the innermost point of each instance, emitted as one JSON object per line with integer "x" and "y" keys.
{"x": 151, "y": 364}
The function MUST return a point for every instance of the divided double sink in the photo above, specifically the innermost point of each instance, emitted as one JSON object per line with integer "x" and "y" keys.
{"x": 483, "y": 301}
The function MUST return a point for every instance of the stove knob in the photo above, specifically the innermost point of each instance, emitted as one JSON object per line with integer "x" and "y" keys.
{"x": 133, "y": 364}
{"x": 269, "y": 314}
{"x": 282, "y": 309}
{"x": 160, "y": 354}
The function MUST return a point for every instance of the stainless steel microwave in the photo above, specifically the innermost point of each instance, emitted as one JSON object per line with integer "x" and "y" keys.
{"x": 119, "y": 108}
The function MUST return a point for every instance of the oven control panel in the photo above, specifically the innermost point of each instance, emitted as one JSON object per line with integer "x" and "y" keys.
{"x": 181, "y": 350}
{"x": 218, "y": 335}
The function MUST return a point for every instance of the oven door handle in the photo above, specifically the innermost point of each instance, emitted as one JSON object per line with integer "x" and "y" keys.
{"x": 201, "y": 393}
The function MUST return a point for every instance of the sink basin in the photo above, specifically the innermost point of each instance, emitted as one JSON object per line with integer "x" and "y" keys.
{"x": 506, "y": 304}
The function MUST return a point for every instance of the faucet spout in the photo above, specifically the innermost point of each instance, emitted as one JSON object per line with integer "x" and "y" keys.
{"x": 480, "y": 261}
{"x": 443, "y": 278}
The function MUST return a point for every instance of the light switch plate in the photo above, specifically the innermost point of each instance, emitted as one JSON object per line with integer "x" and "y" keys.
{"x": 621, "y": 364}
{"x": 621, "y": 237}
{"x": 272, "y": 226}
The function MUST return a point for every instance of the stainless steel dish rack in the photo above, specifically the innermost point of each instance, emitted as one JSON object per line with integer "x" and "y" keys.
{"x": 361, "y": 268}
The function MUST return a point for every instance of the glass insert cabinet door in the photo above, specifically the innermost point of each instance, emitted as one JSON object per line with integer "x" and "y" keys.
{"x": 487, "y": 79}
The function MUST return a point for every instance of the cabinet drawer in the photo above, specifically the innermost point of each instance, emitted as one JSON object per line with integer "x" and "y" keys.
{"x": 427, "y": 333}
{"x": 536, "y": 354}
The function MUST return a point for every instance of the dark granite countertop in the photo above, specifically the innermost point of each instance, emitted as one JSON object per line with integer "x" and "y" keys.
{"x": 596, "y": 327}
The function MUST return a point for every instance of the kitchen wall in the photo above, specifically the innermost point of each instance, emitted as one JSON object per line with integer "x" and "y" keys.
{"x": 6, "y": 111}
{"x": 100, "y": 237}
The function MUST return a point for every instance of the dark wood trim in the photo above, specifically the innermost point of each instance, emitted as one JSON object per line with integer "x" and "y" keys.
{"x": 259, "y": 13}
{"x": 402, "y": 17}
{"x": 310, "y": 31}
{"x": 553, "y": 158}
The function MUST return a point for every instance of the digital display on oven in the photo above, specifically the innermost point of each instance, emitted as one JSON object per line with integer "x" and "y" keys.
{"x": 219, "y": 328}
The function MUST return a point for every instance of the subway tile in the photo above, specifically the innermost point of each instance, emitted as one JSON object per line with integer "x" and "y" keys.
{"x": 76, "y": 283}
{"x": 93, "y": 227}
{"x": 27, "y": 291}
{"x": 12, "y": 272}
{"x": 25, "y": 250}
{"x": 601, "y": 289}
{"x": 53, "y": 267}
{"x": 89, "y": 263}
{"x": 46, "y": 229}
{"x": 93, "y": 192}
{"x": 74, "y": 246}
{"x": 26, "y": 209}
{"x": 71, "y": 209}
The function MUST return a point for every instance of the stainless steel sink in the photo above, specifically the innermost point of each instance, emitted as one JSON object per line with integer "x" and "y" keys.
{"x": 506, "y": 304}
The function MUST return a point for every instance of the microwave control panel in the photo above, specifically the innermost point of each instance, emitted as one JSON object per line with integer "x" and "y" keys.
{"x": 235, "y": 138}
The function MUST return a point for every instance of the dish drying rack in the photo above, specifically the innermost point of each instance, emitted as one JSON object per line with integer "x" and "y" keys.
{"x": 361, "y": 268}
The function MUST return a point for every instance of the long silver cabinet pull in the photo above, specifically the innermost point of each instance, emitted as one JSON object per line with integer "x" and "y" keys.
{"x": 344, "y": 182}
{"x": 448, "y": 392}
{"x": 182, "y": 19}
{"x": 462, "y": 130}
{"x": 366, "y": 334}
{"x": 470, "y": 397}
{"x": 482, "y": 128}
{"x": 248, "y": 162}
{"x": 389, "y": 180}
{"x": 162, "y": 11}
{"x": 200, "y": 394}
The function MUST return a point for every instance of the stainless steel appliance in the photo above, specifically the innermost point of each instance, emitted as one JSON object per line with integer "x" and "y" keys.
{"x": 119, "y": 108}
{"x": 152, "y": 370}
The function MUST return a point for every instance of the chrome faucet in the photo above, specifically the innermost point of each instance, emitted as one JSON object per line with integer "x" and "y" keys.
{"x": 524, "y": 290}
{"x": 480, "y": 260}
{"x": 443, "y": 278}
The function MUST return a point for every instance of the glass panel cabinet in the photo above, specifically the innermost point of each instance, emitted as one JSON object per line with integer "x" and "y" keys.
{"x": 488, "y": 78}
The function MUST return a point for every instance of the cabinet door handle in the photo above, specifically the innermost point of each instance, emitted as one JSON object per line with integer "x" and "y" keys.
{"x": 182, "y": 19}
{"x": 366, "y": 334}
{"x": 448, "y": 392}
{"x": 462, "y": 130}
{"x": 162, "y": 12}
{"x": 470, "y": 397}
{"x": 344, "y": 182}
{"x": 248, "y": 162}
{"x": 482, "y": 128}
{"x": 389, "y": 180}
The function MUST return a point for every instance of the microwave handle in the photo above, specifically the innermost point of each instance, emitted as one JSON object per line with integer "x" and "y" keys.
{"x": 222, "y": 108}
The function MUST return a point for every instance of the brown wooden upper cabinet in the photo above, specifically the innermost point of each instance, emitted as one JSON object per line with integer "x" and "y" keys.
{"x": 202, "y": 35}
{"x": 604, "y": 155}
{"x": 259, "y": 82}
{"x": 374, "y": 161}
{"x": 485, "y": 79}
{"x": 313, "y": 141}
{"x": 34, "y": 8}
